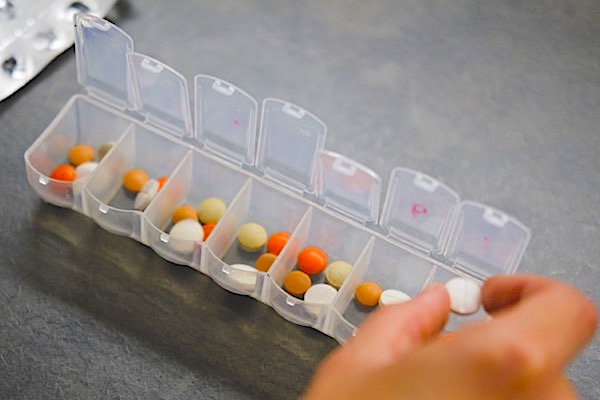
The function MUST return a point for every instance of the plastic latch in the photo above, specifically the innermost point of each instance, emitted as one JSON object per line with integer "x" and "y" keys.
{"x": 418, "y": 209}
{"x": 485, "y": 241}
{"x": 348, "y": 186}
{"x": 160, "y": 94}
{"x": 101, "y": 50}
{"x": 225, "y": 119}
{"x": 289, "y": 142}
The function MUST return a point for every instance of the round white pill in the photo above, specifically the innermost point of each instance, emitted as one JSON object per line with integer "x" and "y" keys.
{"x": 465, "y": 295}
{"x": 186, "y": 232}
{"x": 392, "y": 296}
{"x": 145, "y": 196}
{"x": 84, "y": 170}
{"x": 243, "y": 275}
{"x": 321, "y": 293}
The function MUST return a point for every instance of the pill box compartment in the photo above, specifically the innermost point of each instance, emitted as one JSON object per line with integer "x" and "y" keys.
{"x": 196, "y": 178}
{"x": 258, "y": 202}
{"x": 283, "y": 179}
{"x": 82, "y": 121}
{"x": 340, "y": 239}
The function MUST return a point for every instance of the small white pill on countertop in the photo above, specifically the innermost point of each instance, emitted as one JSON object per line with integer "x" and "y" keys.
{"x": 145, "y": 196}
{"x": 465, "y": 295}
{"x": 188, "y": 232}
{"x": 392, "y": 296}
{"x": 243, "y": 275}
{"x": 84, "y": 170}
{"x": 321, "y": 293}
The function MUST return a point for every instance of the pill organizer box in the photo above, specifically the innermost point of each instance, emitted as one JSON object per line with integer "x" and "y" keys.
{"x": 33, "y": 33}
{"x": 282, "y": 178}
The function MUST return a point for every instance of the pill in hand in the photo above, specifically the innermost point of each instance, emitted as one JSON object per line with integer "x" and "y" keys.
{"x": 392, "y": 296}
{"x": 465, "y": 295}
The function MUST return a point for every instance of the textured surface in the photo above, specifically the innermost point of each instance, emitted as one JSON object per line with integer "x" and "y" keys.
{"x": 501, "y": 101}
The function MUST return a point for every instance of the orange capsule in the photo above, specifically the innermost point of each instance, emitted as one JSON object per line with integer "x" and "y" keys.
{"x": 64, "y": 172}
{"x": 208, "y": 228}
{"x": 161, "y": 181}
{"x": 277, "y": 241}
{"x": 296, "y": 283}
{"x": 184, "y": 212}
{"x": 367, "y": 294}
{"x": 312, "y": 260}
{"x": 80, "y": 154}
{"x": 135, "y": 179}
{"x": 265, "y": 261}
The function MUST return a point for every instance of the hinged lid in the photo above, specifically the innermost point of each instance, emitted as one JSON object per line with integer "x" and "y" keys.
{"x": 348, "y": 186}
{"x": 101, "y": 52}
{"x": 161, "y": 94}
{"x": 485, "y": 241}
{"x": 225, "y": 119}
{"x": 418, "y": 209}
{"x": 289, "y": 142}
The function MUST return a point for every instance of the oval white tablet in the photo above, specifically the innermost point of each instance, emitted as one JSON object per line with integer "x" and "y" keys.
{"x": 392, "y": 296}
{"x": 145, "y": 196}
{"x": 187, "y": 231}
{"x": 321, "y": 293}
{"x": 243, "y": 275}
{"x": 84, "y": 170}
{"x": 465, "y": 295}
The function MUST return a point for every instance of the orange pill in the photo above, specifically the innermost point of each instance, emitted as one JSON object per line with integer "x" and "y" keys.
{"x": 208, "y": 228}
{"x": 80, "y": 154}
{"x": 277, "y": 241}
{"x": 64, "y": 172}
{"x": 135, "y": 179}
{"x": 296, "y": 283}
{"x": 265, "y": 261}
{"x": 184, "y": 212}
{"x": 312, "y": 260}
{"x": 367, "y": 294}
{"x": 161, "y": 181}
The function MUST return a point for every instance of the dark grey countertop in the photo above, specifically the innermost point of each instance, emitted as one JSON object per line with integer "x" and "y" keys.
{"x": 501, "y": 101}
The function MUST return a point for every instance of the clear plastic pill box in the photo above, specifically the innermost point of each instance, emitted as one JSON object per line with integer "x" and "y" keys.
{"x": 273, "y": 170}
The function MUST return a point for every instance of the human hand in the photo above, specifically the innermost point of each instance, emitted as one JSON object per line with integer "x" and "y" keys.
{"x": 538, "y": 326}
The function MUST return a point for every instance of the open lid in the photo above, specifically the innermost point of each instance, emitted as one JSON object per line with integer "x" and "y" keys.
{"x": 418, "y": 209}
{"x": 225, "y": 119}
{"x": 289, "y": 142}
{"x": 161, "y": 94}
{"x": 485, "y": 241}
{"x": 101, "y": 52}
{"x": 348, "y": 186}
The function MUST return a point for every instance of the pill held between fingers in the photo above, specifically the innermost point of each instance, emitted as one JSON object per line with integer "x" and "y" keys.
{"x": 465, "y": 295}
{"x": 337, "y": 272}
{"x": 211, "y": 210}
{"x": 367, "y": 294}
{"x": 80, "y": 153}
{"x": 105, "y": 148}
{"x": 243, "y": 275}
{"x": 135, "y": 179}
{"x": 187, "y": 231}
{"x": 391, "y": 296}
{"x": 312, "y": 260}
{"x": 252, "y": 237}
{"x": 296, "y": 283}
{"x": 145, "y": 196}
{"x": 264, "y": 262}
{"x": 320, "y": 293}
{"x": 84, "y": 170}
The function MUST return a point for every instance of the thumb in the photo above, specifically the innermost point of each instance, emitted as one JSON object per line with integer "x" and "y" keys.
{"x": 393, "y": 331}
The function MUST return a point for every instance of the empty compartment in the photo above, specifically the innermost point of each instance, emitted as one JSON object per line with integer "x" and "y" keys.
{"x": 385, "y": 264}
{"x": 105, "y": 198}
{"x": 224, "y": 260}
{"x": 198, "y": 178}
{"x": 340, "y": 240}
{"x": 81, "y": 121}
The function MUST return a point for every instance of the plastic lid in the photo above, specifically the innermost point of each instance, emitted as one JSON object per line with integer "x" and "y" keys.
{"x": 161, "y": 94}
{"x": 485, "y": 241}
{"x": 101, "y": 51}
{"x": 225, "y": 119}
{"x": 418, "y": 209}
{"x": 348, "y": 186}
{"x": 289, "y": 143}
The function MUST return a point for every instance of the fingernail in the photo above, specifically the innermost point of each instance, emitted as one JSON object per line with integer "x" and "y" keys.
{"x": 431, "y": 288}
